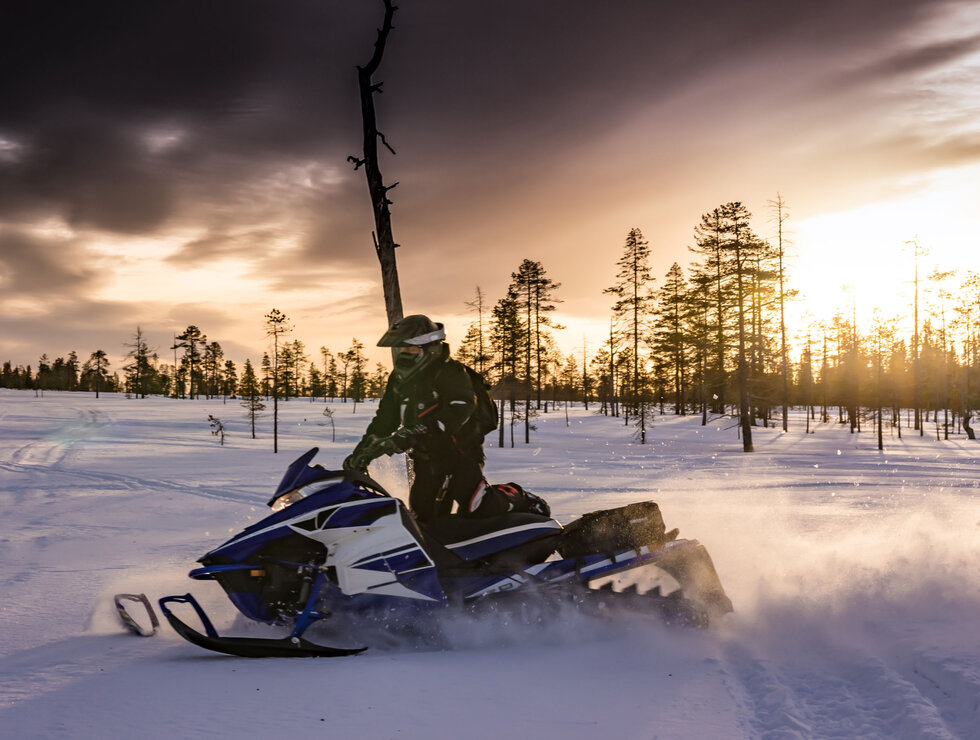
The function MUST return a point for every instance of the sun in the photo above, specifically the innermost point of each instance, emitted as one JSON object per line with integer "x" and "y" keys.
{"x": 860, "y": 261}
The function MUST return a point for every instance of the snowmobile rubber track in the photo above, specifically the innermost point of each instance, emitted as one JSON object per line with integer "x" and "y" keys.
{"x": 246, "y": 647}
{"x": 674, "y": 610}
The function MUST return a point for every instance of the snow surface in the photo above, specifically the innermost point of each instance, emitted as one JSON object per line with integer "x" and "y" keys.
{"x": 854, "y": 575}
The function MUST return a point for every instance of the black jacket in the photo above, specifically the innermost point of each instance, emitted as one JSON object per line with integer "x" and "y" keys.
{"x": 437, "y": 409}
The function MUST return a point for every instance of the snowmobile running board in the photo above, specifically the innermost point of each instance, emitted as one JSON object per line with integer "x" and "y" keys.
{"x": 245, "y": 647}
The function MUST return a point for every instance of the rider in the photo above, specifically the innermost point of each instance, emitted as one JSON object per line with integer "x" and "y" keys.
{"x": 437, "y": 410}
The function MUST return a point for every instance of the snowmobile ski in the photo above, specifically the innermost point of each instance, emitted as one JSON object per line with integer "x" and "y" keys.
{"x": 127, "y": 619}
{"x": 246, "y": 647}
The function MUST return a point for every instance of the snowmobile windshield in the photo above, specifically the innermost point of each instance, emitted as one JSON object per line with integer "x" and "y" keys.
{"x": 301, "y": 479}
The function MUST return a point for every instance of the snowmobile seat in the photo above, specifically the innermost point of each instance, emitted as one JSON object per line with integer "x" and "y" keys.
{"x": 514, "y": 536}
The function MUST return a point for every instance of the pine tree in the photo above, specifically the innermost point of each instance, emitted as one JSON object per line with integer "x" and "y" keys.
{"x": 251, "y": 394}
{"x": 739, "y": 248}
{"x": 329, "y": 372}
{"x": 266, "y": 376}
{"x": 71, "y": 371}
{"x": 294, "y": 365}
{"x": 229, "y": 379}
{"x": 536, "y": 293}
{"x": 211, "y": 368}
{"x": 713, "y": 276}
{"x": 317, "y": 386}
{"x": 138, "y": 370}
{"x": 632, "y": 310}
{"x": 95, "y": 372}
{"x": 42, "y": 379}
{"x": 191, "y": 341}
{"x": 670, "y": 338}
{"x": 507, "y": 338}
{"x": 276, "y": 326}
{"x": 780, "y": 215}
{"x": 474, "y": 350}
{"x": 377, "y": 381}
{"x": 355, "y": 361}
{"x": 603, "y": 380}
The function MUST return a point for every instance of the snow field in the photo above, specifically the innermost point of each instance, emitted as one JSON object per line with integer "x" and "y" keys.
{"x": 853, "y": 572}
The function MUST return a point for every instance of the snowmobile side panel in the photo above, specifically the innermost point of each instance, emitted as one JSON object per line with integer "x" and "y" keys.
{"x": 245, "y": 647}
{"x": 494, "y": 542}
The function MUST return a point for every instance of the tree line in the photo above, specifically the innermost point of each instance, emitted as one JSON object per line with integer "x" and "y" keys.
{"x": 713, "y": 340}
{"x": 710, "y": 339}
{"x": 199, "y": 369}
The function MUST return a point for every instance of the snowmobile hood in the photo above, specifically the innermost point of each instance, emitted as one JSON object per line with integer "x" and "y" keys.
{"x": 300, "y": 474}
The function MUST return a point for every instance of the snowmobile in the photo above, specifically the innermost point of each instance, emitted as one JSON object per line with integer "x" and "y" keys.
{"x": 338, "y": 545}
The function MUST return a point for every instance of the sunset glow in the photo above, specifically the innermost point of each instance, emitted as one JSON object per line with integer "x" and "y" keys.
{"x": 161, "y": 189}
{"x": 866, "y": 249}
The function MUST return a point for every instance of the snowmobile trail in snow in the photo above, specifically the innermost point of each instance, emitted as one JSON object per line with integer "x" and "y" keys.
{"x": 50, "y": 449}
{"x": 856, "y": 604}
{"x": 835, "y": 690}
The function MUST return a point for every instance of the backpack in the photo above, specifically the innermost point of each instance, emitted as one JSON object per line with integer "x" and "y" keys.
{"x": 626, "y": 528}
{"x": 485, "y": 415}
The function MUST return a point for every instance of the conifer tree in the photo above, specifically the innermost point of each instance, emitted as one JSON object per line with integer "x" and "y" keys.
{"x": 670, "y": 338}
{"x": 42, "y": 378}
{"x": 329, "y": 372}
{"x": 507, "y": 338}
{"x": 474, "y": 350}
{"x": 712, "y": 274}
{"x": 317, "y": 386}
{"x": 191, "y": 340}
{"x": 211, "y": 368}
{"x": 138, "y": 370}
{"x": 699, "y": 305}
{"x": 276, "y": 326}
{"x": 251, "y": 394}
{"x": 229, "y": 379}
{"x": 632, "y": 309}
{"x": 355, "y": 362}
{"x": 95, "y": 372}
{"x": 266, "y": 376}
{"x": 535, "y": 292}
{"x": 739, "y": 248}
{"x": 780, "y": 214}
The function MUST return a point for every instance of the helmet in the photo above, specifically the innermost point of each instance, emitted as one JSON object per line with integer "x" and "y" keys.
{"x": 413, "y": 331}
{"x": 420, "y": 341}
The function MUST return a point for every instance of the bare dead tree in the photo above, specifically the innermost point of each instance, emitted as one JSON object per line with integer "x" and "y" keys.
{"x": 384, "y": 241}
{"x": 779, "y": 215}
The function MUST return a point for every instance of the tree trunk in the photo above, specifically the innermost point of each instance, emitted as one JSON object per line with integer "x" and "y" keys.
{"x": 384, "y": 241}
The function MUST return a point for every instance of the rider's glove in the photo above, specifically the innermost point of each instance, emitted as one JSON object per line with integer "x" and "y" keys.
{"x": 404, "y": 439}
{"x": 362, "y": 455}
{"x": 373, "y": 446}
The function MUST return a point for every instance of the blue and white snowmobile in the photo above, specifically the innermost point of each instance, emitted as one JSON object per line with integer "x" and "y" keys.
{"x": 338, "y": 546}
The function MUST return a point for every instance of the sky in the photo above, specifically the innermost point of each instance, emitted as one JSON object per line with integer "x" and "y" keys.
{"x": 173, "y": 163}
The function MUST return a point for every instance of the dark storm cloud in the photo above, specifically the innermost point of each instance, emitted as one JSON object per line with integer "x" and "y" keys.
{"x": 511, "y": 85}
{"x": 239, "y": 83}
{"x": 42, "y": 268}
{"x": 90, "y": 175}
{"x": 230, "y": 122}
